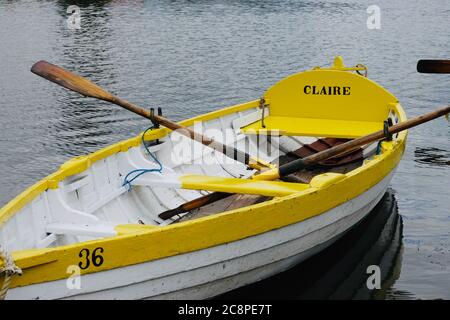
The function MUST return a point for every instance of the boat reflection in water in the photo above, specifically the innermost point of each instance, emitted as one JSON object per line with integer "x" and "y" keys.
{"x": 432, "y": 156}
{"x": 340, "y": 271}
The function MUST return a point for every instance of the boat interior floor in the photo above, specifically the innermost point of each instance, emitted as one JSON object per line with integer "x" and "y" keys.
{"x": 341, "y": 164}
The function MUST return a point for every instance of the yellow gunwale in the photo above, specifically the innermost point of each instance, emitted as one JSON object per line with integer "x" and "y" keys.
{"x": 81, "y": 163}
{"x": 42, "y": 265}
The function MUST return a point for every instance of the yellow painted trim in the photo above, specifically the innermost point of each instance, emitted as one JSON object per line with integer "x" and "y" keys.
{"x": 326, "y": 179}
{"x": 221, "y": 228}
{"x": 220, "y": 113}
{"x": 241, "y": 186}
{"x": 35, "y": 257}
{"x": 81, "y": 163}
{"x": 123, "y": 229}
{"x": 338, "y": 64}
{"x": 23, "y": 199}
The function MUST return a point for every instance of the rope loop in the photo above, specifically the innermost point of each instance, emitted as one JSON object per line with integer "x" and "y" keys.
{"x": 8, "y": 270}
{"x": 139, "y": 172}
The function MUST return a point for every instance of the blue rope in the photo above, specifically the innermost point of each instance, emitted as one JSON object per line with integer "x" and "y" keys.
{"x": 140, "y": 172}
{"x": 148, "y": 151}
{"x": 378, "y": 148}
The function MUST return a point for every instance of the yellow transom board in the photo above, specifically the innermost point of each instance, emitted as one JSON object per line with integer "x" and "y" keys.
{"x": 325, "y": 103}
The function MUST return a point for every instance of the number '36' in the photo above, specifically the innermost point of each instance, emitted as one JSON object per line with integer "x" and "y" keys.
{"x": 96, "y": 258}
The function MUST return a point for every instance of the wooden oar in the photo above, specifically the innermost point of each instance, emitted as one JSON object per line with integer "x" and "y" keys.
{"x": 216, "y": 196}
{"x": 194, "y": 204}
{"x": 300, "y": 164}
{"x": 81, "y": 85}
{"x": 433, "y": 66}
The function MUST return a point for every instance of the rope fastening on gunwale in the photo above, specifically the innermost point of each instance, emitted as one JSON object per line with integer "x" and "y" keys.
{"x": 9, "y": 269}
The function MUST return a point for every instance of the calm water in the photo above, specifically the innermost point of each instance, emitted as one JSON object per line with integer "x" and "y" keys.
{"x": 190, "y": 57}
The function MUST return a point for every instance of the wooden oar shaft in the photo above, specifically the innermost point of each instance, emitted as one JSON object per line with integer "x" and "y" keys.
{"x": 231, "y": 152}
{"x": 131, "y": 107}
{"x": 81, "y": 85}
{"x": 194, "y": 204}
{"x": 323, "y": 155}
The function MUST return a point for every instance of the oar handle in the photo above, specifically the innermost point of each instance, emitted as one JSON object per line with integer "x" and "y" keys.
{"x": 300, "y": 164}
{"x": 433, "y": 66}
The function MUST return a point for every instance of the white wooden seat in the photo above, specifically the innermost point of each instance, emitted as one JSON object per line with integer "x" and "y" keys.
{"x": 91, "y": 230}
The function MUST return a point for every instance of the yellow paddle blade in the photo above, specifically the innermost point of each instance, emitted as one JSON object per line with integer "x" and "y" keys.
{"x": 259, "y": 164}
{"x": 267, "y": 175}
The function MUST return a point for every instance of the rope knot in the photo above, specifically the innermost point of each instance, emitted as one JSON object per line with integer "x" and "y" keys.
{"x": 9, "y": 269}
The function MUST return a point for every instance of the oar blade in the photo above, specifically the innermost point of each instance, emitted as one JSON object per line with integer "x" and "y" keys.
{"x": 69, "y": 80}
{"x": 433, "y": 66}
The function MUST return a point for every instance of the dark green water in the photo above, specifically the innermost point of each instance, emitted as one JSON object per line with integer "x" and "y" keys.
{"x": 190, "y": 57}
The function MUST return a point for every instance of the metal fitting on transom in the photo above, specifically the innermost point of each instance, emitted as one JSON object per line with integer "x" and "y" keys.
{"x": 262, "y": 106}
{"x": 359, "y": 65}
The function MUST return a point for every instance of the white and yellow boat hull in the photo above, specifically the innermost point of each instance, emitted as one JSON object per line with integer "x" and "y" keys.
{"x": 83, "y": 220}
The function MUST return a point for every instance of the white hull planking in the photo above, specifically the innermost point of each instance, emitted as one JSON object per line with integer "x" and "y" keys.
{"x": 209, "y": 272}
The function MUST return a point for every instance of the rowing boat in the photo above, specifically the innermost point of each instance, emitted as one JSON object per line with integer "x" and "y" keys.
{"x": 94, "y": 230}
